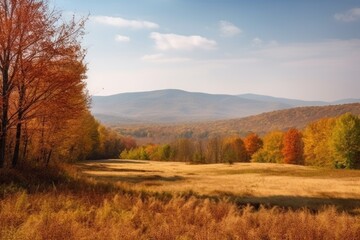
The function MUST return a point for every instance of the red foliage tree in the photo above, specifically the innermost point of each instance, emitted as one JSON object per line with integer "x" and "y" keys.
{"x": 252, "y": 144}
{"x": 293, "y": 147}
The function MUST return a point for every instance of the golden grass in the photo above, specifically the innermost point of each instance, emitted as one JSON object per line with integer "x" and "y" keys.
{"x": 287, "y": 185}
{"x": 53, "y": 205}
{"x": 62, "y": 216}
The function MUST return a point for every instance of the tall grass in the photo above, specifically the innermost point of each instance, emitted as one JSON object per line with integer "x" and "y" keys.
{"x": 66, "y": 216}
{"x": 89, "y": 210}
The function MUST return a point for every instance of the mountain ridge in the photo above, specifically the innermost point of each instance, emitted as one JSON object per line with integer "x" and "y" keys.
{"x": 174, "y": 105}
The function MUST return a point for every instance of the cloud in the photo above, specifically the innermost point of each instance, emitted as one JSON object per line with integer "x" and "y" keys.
{"x": 125, "y": 23}
{"x": 228, "y": 29}
{"x": 257, "y": 42}
{"x": 348, "y": 16}
{"x": 120, "y": 38}
{"x": 172, "y": 41}
{"x": 161, "y": 58}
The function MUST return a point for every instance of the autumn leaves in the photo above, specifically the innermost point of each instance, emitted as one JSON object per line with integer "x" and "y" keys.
{"x": 330, "y": 142}
{"x": 42, "y": 78}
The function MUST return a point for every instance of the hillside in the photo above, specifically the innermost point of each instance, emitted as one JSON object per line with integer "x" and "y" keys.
{"x": 262, "y": 123}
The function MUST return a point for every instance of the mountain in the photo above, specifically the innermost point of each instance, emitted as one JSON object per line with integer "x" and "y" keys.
{"x": 175, "y": 106}
{"x": 169, "y": 106}
{"x": 290, "y": 102}
{"x": 296, "y": 102}
{"x": 277, "y": 120}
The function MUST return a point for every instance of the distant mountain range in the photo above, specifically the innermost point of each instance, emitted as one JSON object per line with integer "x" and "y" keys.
{"x": 169, "y": 106}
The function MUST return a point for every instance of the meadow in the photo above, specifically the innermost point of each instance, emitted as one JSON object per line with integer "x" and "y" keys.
{"x": 123, "y": 199}
{"x": 256, "y": 183}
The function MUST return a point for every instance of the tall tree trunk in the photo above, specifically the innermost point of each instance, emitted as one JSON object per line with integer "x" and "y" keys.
{"x": 18, "y": 126}
{"x": 26, "y": 142}
{"x": 4, "y": 116}
{"x": 17, "y": 144}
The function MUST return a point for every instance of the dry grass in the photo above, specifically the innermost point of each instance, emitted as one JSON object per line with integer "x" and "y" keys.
{"x": 275, "y": 184}
{"x": 53, "y": 206}
{"x": 61, "y": 216}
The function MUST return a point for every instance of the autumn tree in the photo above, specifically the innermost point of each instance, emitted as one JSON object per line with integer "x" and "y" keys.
{"x": 159, "y": 152}
{"x": 183, "y": 149}
{"x": 293, "y": 147}
{"x": 317, "y": 143}
{"x": 252, "y": 144}
{"x": 79, "y": 141}
{"x": 128, "y": 142}
{"x": 271, "y": 151}
{"x": 199, "y": 152}
{"x": 345, "y": 141}
{"x": 40, "y": 60}
{"x": 213, "y": 150}
{"x": 233, "y": 150}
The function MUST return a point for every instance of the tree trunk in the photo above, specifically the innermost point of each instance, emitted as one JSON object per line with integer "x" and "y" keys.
{"x": 48, "y": 158}
{"x": 26, "y": 142}
{"x": 4, "y": 116}
{"x": 17, "y": 145}
{"x": 20, "y": 114}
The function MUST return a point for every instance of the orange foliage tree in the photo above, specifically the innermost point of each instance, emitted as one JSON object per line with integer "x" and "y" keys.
{"x": 41, "y": 70}
{"x": 252, "y": 144}
{"x": 293, "y": 147}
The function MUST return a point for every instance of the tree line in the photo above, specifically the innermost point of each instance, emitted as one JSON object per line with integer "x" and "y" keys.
{"x": 328, "y": 142}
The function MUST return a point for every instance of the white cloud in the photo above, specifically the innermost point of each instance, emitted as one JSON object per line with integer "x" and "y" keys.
{"x": 228, "y": 29}
{"x": 179, "y": 42}
{"x": 120, "y": 38}
{"x": 348, "y": 16}
{"x": 257, "y": 42}
{"x": 161, "y": 58}
{"x": 125, "y": 23}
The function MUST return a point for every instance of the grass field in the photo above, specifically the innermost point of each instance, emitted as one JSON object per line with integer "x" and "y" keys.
{"x": 118, "y": 199}
{"x": 254, "y": 183}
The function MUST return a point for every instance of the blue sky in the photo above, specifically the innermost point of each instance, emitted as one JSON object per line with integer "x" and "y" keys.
{"x": 296, "y": 49}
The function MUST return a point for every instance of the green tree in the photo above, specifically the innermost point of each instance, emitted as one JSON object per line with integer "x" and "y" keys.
{"x": 345, "y": 141}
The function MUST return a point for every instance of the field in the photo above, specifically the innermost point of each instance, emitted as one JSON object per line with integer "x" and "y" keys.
{"x": 123, "y": 199}
{"x": 255, "y": 183}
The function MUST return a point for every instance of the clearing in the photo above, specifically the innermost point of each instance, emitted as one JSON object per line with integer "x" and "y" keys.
{"x": 254, "y": 183}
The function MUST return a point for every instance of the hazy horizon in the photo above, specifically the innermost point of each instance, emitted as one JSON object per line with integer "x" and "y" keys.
{"x": 294, "y": 49}
{"x": 244, "y": 93}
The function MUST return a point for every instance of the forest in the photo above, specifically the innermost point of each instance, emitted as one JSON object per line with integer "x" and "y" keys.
{"x": 328, "y": 142}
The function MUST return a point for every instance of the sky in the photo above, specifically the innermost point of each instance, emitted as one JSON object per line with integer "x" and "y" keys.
{"x": 305, "y": 49}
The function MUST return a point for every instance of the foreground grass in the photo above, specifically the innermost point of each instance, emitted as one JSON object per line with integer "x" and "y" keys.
{"x": 59, "y": 216}
{"x": 70, "y": 206}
